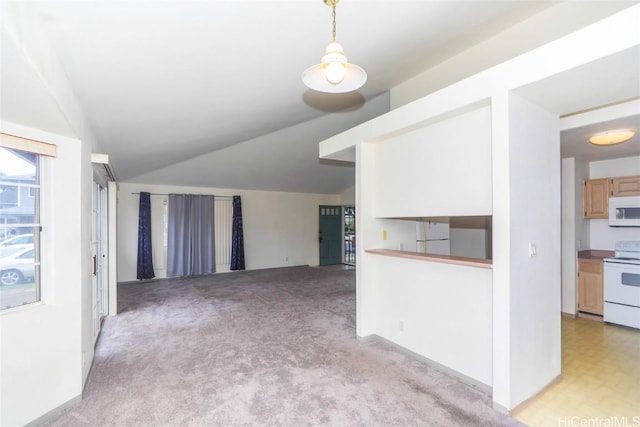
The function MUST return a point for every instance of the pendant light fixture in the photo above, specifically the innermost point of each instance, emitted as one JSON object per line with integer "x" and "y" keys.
{"x": 334, "y": 74}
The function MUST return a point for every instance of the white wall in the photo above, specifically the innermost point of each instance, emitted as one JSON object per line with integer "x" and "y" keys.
{"x": 615, "y": 167}
{"x": 280, "y": 229}
{"x": 535, "y": 213}
{"x": 569, "y": 255}
{"x": 440, "y": 169}
{"x": 575, "y": 229}
{"x": 47, "y": 349}
{"x": 41, "y": 344}
{"x": 348, "y": 196}
{"x": 397, "y": 234}
{"x": 468, "y": 242}
{"x": 440, "y": 311}
{"x": 603, "y": 236}
{"x": 368, "y": 235}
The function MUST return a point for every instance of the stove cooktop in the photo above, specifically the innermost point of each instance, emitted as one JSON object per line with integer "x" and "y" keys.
{"x": 623, "y": 260}
{"x": 627, "y": 252}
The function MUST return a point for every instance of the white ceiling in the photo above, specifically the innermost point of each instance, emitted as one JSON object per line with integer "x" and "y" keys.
{"x": 613, "y": 85}
{"x": 208, "y": 93}
{"x": 576, "y": 141}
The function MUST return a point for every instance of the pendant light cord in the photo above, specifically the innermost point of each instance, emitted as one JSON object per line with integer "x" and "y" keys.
{"x": 333, "y": 5}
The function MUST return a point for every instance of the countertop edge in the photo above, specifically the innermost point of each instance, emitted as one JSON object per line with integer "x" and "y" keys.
{"x": 445, "y": 259}
{"x": 595, "y": 255}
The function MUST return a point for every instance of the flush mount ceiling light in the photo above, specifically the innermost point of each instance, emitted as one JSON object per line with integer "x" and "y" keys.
{"x": 612, "y": 137}
{"x": 334, "y": 74}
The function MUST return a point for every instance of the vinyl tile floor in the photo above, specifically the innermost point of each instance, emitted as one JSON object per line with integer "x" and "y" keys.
{"x": 600, "y": 382}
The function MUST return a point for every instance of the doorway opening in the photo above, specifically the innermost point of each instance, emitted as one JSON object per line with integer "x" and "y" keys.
{"x": 337, "y": 235}
{"x": 329, "y": 235}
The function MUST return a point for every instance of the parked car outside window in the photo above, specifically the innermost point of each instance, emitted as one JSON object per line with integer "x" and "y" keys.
{"x": 24, "y": 239}
{"x": 17, "y": 267}
{"x": 16, "y": 244}
{"x": 20, "y": 194}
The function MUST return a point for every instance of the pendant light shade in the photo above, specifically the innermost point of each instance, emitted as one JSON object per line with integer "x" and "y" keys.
{"x": 334, "y": 74}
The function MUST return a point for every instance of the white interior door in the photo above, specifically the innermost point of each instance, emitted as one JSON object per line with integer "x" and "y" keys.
{"x": 100, "y": 256}
{"x": 103, "y": 255}
{"x": 95, "y": 249}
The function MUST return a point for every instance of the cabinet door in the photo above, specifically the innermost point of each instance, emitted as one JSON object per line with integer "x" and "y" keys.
{"x": 596, "y": 198}
{"x": 626, "y": 186}
{"x": 590, "y": 292}
{"x": 591, "y": 298}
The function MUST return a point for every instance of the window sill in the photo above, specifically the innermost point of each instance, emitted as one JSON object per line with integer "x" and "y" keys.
{"x": 21, "y": 308}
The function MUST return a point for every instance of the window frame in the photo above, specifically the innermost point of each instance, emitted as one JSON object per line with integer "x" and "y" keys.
{"x": 41, "y": 151}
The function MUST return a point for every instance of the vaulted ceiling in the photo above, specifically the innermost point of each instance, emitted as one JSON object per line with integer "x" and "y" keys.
{"x": 208, "y": 93}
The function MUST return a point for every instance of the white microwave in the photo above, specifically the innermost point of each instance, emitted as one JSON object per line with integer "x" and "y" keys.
{"x": 624, "y": 211}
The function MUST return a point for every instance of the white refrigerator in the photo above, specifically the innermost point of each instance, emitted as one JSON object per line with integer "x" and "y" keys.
{"x": 432, "y": 237}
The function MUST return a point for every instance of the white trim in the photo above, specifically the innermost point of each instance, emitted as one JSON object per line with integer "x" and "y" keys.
{"x": 55, "y": 413}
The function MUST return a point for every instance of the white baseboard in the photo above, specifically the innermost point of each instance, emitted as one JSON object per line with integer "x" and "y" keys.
{"x": 484, "y": 388}
{"x": 54, "y": 413}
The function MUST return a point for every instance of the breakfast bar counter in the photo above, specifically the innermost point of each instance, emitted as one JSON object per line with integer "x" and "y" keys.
{"x": 447, "y": 259}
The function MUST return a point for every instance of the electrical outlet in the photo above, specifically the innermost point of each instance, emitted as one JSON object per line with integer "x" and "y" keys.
{"x": 286, "y": 259}
{"x": 401, "y": 325}
{"x": 384, "y": 234}
{"x": 533, "y": 250}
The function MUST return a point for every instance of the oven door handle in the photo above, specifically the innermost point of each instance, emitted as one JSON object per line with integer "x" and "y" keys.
{"x": 630, "y": 279}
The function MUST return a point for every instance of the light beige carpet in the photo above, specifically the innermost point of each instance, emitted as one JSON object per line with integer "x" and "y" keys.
{"x": 271, "y": 347}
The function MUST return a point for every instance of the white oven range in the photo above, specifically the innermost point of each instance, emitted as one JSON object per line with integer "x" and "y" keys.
{"x": 622, "y": 285}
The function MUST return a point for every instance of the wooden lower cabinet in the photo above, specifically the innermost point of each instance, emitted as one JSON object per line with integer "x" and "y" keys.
{"x": 590, "y": 289}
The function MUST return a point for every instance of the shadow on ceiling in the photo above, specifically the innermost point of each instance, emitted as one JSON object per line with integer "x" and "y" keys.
{"x": 333, "y": 102}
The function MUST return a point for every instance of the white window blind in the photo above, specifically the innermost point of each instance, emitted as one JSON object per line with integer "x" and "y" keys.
{"x": 159, "y": 232}
{"x": 223, "y": 216}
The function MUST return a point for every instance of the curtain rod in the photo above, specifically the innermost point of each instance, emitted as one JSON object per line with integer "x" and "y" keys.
{"x": 217, "y": 197}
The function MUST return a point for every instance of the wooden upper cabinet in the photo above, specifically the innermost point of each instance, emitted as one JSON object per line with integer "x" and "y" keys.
{"x": 626, "y": 186}
{"x": 596, "y": 198}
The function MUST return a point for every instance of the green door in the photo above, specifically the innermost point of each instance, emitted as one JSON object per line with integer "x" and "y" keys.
{"x": 330, "y": 235}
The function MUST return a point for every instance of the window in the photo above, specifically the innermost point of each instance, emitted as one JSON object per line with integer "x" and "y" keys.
{"x": 20, "y": 220}
{"x": 349, "y": 235}
{"x": 223, "y": 226}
